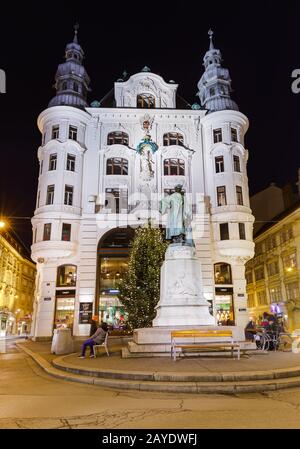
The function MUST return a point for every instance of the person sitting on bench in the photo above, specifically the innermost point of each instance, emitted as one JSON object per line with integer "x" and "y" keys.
{"x": 96, "y": 339}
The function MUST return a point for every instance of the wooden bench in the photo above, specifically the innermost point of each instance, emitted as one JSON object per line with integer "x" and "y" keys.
{"x": 210, "y": 340}
{"x": 103, "y": 345}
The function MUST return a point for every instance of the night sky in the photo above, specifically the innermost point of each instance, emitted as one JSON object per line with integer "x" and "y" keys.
{"x": 260, "y": 45}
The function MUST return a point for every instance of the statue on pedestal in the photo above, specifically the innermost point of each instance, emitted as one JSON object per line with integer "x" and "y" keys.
{"x": 179, "y": 216}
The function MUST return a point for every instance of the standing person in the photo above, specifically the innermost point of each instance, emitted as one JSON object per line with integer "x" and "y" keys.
{"x": 96, "y": 339}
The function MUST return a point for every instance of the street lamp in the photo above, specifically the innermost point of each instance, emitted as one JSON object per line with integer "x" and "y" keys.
{"x": 2, "y": 224}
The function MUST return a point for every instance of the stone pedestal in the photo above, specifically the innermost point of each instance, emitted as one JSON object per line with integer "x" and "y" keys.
{"x": 181, "y": 295}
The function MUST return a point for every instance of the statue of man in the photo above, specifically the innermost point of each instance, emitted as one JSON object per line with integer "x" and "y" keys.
{"x": 177, "y": 213}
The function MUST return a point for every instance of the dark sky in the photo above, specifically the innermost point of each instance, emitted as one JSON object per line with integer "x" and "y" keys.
{"x": 259, "y": 41}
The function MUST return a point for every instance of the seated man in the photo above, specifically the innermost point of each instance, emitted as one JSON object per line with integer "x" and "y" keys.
{"x": 250, "y": 330}
{"x": 96, "y": 339}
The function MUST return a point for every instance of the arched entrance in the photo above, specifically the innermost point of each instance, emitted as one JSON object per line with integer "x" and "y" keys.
{"x": 112, "y": 260}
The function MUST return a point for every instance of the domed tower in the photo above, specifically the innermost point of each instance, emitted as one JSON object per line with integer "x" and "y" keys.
{"x": 57, "y": 217}
{"x": 215, "y": 83}
{"x": 71, "y": 79}
{"x": 226, "y": 187}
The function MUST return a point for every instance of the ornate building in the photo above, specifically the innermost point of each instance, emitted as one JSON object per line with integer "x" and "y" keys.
{"x": 103, "y": 170}
{"x": 17, "y": 279}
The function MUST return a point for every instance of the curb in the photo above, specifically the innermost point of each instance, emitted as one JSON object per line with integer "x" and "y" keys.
{"x": 156, "y": 384}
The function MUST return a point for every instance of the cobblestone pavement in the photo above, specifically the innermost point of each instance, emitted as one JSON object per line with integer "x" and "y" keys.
{"x": 31, "y": 399}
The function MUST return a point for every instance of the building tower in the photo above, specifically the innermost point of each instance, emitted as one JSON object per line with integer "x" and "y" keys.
{"x": 58, "y": 208}
{"x": 226, "y": 184}
{"x": 71, "y": 79}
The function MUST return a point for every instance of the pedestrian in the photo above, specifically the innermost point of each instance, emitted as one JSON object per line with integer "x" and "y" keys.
{"x": 250, "y": 330}
{"x": 96, "y": 339}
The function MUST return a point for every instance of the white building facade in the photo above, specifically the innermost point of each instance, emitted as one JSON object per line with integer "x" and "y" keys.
{"x": 103, "y": 170}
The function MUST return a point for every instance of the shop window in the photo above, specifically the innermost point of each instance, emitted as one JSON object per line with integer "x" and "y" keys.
{"x": 290, "y": 262}
{"x": 224, "y": 231}
{"x": 275, "y": 294}
{"x": 262, "y": 298}
{"x": 64, "y": 312}
{"x": 292, "y": 290}
{"x": 250, "y": 300}
{"x": 273, "y": 268}
{"x": 173, "y": 139}
{"x": 221, "y": 196}
{"x": 222, "y": 273}
{"x": 117, "y": 138}
{"x": 146, "y": 101}
{"x": 117, "y": 166}
{"x": 66, "y": 232}
{"x": 219, "y": 164}
{"x": 249, "y": 277}
{"x": 174, "y": 167}
{"x": 66, "y": 276}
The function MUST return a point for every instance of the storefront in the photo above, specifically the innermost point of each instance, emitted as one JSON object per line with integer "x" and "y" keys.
{"x": 7, "y": 323}
{"x": 65, "y": 297}
{"x": 113, "y": 253}
{"x": 224, "y": 306}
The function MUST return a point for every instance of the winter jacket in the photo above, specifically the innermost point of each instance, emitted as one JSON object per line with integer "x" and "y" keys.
{"x": 99, "y": 336}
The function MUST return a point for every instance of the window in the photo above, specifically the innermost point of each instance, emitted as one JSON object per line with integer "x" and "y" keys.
{"x": 117, "y": 166}
{"x": 145, "y": 101}
{"x": 273, "y": 268}
{"x": 258, "y": 248}
{"x": 69, "y": 190}
{"x": 275, "y": 294}
{"x": 55, "y": 132}
{"x": 223, "y": 273}
{"x": 116, "y": 200}
{"x": 35, "y": 233}
{"x": 221, "y": 196}
{"x": 52, "y": 162}
{"x": 262, "y": 298}
{"x": 242, "y": 231}
{"x": 43, "y": 138}
{"x": 286, "y": 234}
{"x": 236, "y": 164}
{"x": 239, "y": 196}
{"x": 249, "y": 277}
{"x": 66, "y": 232}
{"x": 219, "y": 162}
{"x": 64, "y": 85}
{"x": 72, "y": 132}
{"x": 41, "y": 166}
{"x": 292, "y": 290}
{"x": 173, "y": 167}
{"x": 224, "y": 231}
{"x": 71, "y": 162}
{"x": 251, "y": 302}
{"x": 217, "y": 135}
{"x": 290, "y": 261}
{"x": 75, "y": 86}
{"x": 47, "y": 231}
{"x": 50, "y": 195}
{"x": 117, "y": 137}
{"x": 234, "y": 135}
{"x": 173, "y": 139}
{"x": 259, "y": 273}
{"x": 212, "y": 91}
{"x": 66, "y": 276}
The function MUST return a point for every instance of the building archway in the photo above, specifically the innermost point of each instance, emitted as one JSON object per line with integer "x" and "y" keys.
{"x": 112, "y": 259}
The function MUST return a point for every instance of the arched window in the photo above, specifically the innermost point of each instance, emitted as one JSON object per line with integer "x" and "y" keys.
{"x": 145, "y": 101}
{"x": 223, "y": 273}
{"x": 173, "y": 139}
{"x": 117, "y": 166}
{"x": 174, "y": 167}
{"x": 117, "y": 137}
{"x": 66, "y": 276}
{"x": 64, "y": 85}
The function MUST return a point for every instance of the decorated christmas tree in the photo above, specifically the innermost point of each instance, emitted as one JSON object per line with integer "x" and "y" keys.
{"x": 140, "y": 286}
